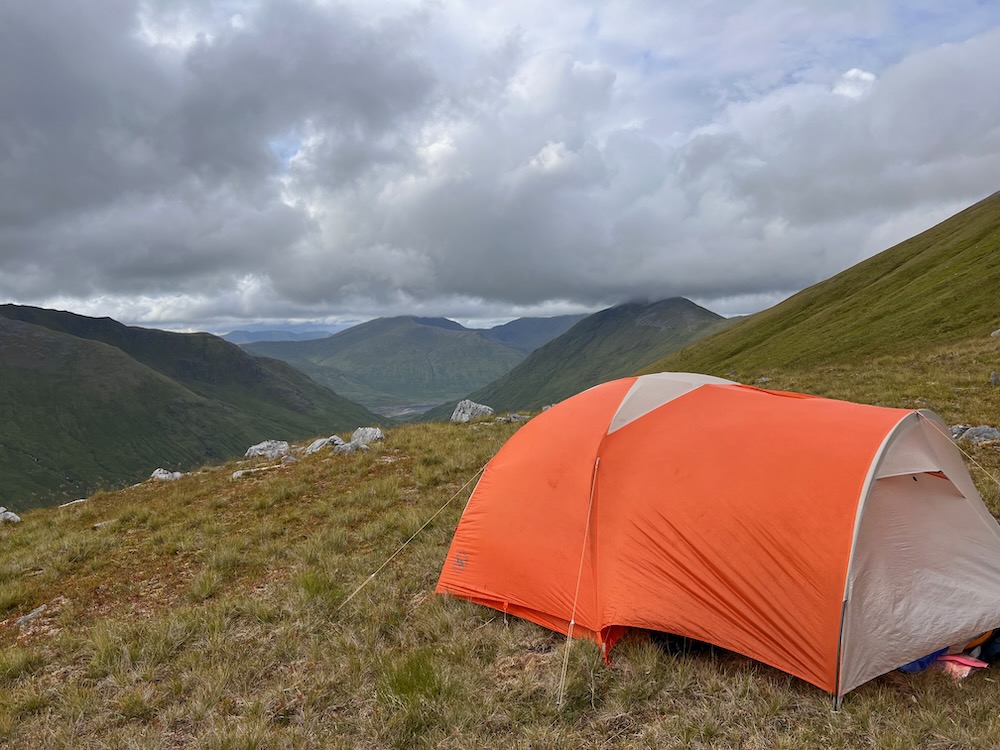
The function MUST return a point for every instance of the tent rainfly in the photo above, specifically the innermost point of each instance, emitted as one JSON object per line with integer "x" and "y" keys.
{"x": 831, "y": 540}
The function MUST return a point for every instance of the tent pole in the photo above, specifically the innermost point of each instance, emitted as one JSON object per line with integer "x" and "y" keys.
{"x": 837, "y": 697}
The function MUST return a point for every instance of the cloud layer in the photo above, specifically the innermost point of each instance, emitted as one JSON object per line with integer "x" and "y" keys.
{"x": 197, "y": 164}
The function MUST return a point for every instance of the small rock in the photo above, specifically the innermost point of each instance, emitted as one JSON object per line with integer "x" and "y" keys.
{"x": 286, "y": 460}
{"x": 546, "y": 407}
{"x": 350, "y": 447}
{"x": 981, "y": 435}
{"x": 996, "y": 334}
{"x": 271, "y": 449}
{"x": 994, "y": 378}
{"x": 321, "y": 443}
{"x": 317, "y": 444}
{"x": 365, "y": 435}
{"x": 511, "y": 418}
{"x": 162, "y": 475}
{"x": 763, "y": 380}
{"x": 7, "y": 516}
{"x": 243, "y": 472}
{"x": 36, "y": 612}
{"x": 101, "y": 524}
{"x": 467, "y": 410}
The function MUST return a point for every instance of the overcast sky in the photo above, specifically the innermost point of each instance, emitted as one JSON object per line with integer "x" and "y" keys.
{"x": 202, "y": 165}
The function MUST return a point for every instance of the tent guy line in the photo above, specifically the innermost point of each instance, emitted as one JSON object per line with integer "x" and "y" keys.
{"x": 576, "y": 596}
{"x": 968, "y": 455}
{"x": 427, "y": 523}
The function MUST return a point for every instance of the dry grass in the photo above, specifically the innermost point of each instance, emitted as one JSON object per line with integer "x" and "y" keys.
{"x": 207, "y": 615}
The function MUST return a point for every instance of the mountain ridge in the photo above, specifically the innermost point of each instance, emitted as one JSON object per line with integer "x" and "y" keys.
{"x": 528, "y": 334}
{"x": 398, "y": 362}
{"x": 610, "y": 343}
{"x": 77, "y": 412}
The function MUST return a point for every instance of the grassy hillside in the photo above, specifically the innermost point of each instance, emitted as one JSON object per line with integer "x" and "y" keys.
{"x": 229, "y": 631}
{"x": 77, "y": 412}
{"x": 527, "y": 334}
{"x": 940, "y": 286}
{"x": 398, "y": 362}
{"x": 603, "y": 346}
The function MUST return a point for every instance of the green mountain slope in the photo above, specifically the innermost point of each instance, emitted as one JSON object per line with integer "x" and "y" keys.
{"x": 606, "y": 345}
{"x": 77, "y": 412}
{"x": 527, "y": 334}
{"x": 398, "y": 362}
{"x": 938, "y": 287}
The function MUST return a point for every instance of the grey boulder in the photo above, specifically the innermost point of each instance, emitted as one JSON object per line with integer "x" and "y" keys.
{"x": 365, "y": 435}
{"x": 466, "y": 411}
{"x": 271, "y": 449}
{"x": 162, "y": 475}
{"x": 7, "y": 516}
{"x": 329, "y": 442}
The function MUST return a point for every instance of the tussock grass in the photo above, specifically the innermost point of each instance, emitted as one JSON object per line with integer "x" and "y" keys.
{"x": 208, "y": 615}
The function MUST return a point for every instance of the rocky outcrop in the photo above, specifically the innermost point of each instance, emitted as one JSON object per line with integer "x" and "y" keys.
{"x": 7, "y": 516}
{"x": 466, "y": 411}
{"x": 270, "y": 449}
{"x": 162, "y": 475}
{"x": 979, "y": 435}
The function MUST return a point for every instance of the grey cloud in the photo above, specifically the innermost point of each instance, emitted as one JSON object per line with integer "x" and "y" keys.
{"x": 135, "y": 169}
{"x": 77, "y": 92}
{"x": 304, "y": 160}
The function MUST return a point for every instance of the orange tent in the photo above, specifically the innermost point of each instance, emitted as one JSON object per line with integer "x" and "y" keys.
{"x": 831, "y": 540}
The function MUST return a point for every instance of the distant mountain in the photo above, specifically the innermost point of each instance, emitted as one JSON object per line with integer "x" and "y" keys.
{"x": 249, "y": 337}
{"x": 527, "y": 334}
{"x": 88, "y": 402}
{"x": 603, "y": 346}
{"x": 398, "y": 365}
{"x": 446, "y": 323}
{"x": 938, "y": 287}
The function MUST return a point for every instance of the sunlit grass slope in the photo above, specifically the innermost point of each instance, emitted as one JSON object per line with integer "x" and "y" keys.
{"x": 207, "y": 613}
{"x": 938, "y": 287}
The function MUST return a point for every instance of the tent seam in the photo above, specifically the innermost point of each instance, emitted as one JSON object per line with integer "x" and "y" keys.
{"x": 866, "y": 489}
